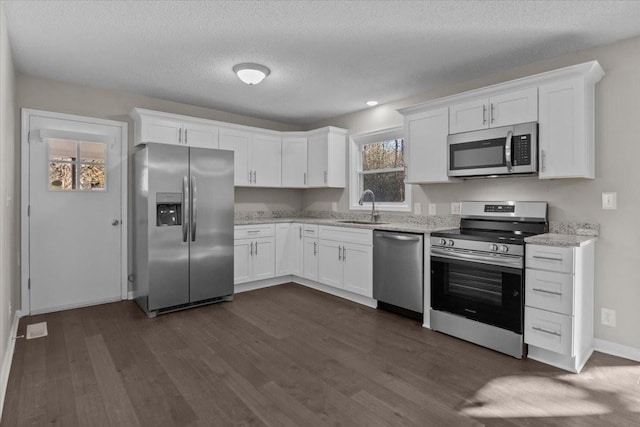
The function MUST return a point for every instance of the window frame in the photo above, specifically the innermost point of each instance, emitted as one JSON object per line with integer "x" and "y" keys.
{"x": 355, "y": 170}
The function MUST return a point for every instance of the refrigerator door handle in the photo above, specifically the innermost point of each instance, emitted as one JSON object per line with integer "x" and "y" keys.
{"x": 194, "y": 208}
{"x": 185, "y": 209}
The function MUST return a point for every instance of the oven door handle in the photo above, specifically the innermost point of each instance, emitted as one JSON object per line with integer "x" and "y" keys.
{"x": 502, "y": 260}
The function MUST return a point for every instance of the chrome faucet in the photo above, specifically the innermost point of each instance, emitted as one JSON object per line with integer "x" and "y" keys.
{"x": 374, "y": 215}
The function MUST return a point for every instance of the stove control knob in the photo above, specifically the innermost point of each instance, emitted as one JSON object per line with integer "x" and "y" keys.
{"x": 493, "y": 247}
{"x": 504, "y": 248}
{"x": 443, "y": 242}
{"x": 450, "y": 243}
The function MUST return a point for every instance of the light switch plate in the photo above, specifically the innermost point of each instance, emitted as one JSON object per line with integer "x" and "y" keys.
{"x": 455, "y": 208}
{"x": 610, "y": 200}
{"x": 608, "y": 317}
{"x": 417, "y": 208}
{"x": 334, "y": 206}
{"x": 432, "y": 208}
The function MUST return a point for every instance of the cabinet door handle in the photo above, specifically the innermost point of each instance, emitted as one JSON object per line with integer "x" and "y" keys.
{"x": 543, "y": 160}
{"x": 186, "y": 135}
{"x": 180, "y": 136}
{"x": 339, "y": 253}
{"x": 544, "y": 291}
{"x": 548, "y": 258}
{"x": 484, "y": 114}
{"x": 344, "y": 254}
{"x": 300, "y": 232}
{"x": 255, "y": 177}
{"x": 315, "y": 248}
{"x": 491, "y": 113}
{"x": 546, "y": 331}
{"x": 325, "y": 177}
{"x": 305, "y": 178}
{"x": 251, "y": 249}
{"x": 256, "y": 250}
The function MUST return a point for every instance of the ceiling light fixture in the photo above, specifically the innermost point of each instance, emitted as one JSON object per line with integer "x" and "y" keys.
{"x": 372, "y": 103}
{"x": 250, "y": 73}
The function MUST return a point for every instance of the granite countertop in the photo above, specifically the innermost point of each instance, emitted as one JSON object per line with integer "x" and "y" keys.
{"x": 557, "y": 239}
{"x": 388, "y": 226}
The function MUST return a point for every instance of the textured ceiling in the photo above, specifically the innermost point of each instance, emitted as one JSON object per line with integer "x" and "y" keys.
{"x": 326, "y": 57}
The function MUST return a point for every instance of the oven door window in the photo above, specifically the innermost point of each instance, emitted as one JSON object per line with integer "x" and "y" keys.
{"x": 477, "y": 154}
{"x": 486, "y": 293}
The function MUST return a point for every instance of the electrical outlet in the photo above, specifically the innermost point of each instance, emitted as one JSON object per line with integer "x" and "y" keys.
{"x": 432, "y": 208}
{"x": 334, "y": 206}
{"x": 417, "y": 208}
{"x": 455, "y": 208}
{"x": 608, "y": 317}
{"x": 610, "y": 201}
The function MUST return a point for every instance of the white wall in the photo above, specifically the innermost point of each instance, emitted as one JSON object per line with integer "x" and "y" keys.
{"x": 617, "y": 153}
{"x": 9, "y": 203}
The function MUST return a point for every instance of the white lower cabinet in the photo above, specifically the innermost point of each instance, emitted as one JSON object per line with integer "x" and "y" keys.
{"x": 289, "y": 249}
{"x": 558, "y": 317}
{"x": 254, "y": 253}
{"x": 346, "y": 259}
{"x": 310, "y": 252}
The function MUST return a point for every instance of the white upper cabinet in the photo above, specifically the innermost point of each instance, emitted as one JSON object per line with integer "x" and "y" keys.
{"x": 426, "y": 144}
{"x": 265, "y": 159}
{"x": 294, "y": 161}
{"x": 163, "y": 128}
{"x": 239, "y": 142}
{"x": 256, "y": 157}
{"x": 505, "y": 109}
{"x": 327, "y": 158}
{"x": 566, "y": 132}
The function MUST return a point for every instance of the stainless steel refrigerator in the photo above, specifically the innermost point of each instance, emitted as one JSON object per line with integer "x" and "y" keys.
{"x": 183, "y": 227}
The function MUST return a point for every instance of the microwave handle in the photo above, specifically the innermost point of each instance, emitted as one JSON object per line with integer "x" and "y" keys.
{"x": 507, "y": 150}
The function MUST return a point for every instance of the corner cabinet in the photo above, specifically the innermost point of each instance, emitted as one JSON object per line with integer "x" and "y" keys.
{"x": 426, "y": 138}
{"x": 326, "y": 153}
{"x": 559, "y": 304}
{"x": 257, "y": 157}
{"x": 289, "y": 247}
{"x": 163, "y": 128}
{"x": 294, "y": 161}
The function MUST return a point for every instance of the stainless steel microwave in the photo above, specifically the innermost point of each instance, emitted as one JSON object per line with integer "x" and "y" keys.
{"x": 497, "y": 151}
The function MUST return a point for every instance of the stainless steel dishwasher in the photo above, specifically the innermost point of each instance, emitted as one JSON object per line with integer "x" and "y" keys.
{"x": 398, "y": 272}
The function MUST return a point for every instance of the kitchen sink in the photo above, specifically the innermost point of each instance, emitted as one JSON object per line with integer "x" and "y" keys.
{"x": 348, "y": 221}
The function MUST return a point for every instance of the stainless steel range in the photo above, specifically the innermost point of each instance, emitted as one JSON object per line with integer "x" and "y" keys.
{"x": 477, "y": 273}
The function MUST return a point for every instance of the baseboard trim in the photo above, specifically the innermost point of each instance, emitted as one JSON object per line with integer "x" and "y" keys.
{"x": 616, "y": 349}
{"x": 7, "y": 358}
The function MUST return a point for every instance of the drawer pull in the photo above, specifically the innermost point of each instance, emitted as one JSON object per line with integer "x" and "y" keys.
{"x": 546, "y": 291}
{"x": 546, "y": 331}
{"x": 547, "y": 258}
{"x": 253, "y": 231}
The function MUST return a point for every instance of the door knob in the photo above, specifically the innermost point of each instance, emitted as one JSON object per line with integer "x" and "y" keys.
{"x": 115, "y": 222}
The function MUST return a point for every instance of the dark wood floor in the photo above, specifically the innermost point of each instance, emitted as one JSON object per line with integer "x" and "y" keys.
{"x": 292, "y": 356}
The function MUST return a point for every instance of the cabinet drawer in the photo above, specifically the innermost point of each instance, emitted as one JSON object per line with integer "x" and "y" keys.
{"x": 347, "y": 235}
{"x": 550, "y": 258}
{"x": 310, "y": 230}
{"x": 549, "y": 291}
{"x": 551, "y": 331}
{"x": 251, "y": 231}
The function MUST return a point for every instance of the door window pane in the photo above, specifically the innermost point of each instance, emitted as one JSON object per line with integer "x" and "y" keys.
{"x": 76, "y": 165}
{"x": 92, "y": 177}
{"x": 62, "y": 150}
{"x": 61, "y": 176}
{"x": 92, "y": 152}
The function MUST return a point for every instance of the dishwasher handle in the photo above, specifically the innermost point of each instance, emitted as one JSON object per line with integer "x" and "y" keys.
{"x": 399, "y": 237}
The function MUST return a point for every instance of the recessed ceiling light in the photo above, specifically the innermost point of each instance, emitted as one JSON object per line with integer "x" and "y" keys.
{"x": 250, "y": 73}
{"x": 372, "y": 103}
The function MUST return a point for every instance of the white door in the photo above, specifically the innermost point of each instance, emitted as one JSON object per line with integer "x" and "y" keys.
{"x": 75, "y": 212}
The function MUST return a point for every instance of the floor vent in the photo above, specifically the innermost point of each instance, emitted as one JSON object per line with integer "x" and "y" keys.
{"x": 37, "y": 330}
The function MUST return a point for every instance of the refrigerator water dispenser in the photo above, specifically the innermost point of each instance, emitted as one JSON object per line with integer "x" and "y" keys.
{"x": 168, "y": 209}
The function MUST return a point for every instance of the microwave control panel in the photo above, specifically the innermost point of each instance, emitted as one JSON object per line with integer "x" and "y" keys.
{"x": 521, "y": 150}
